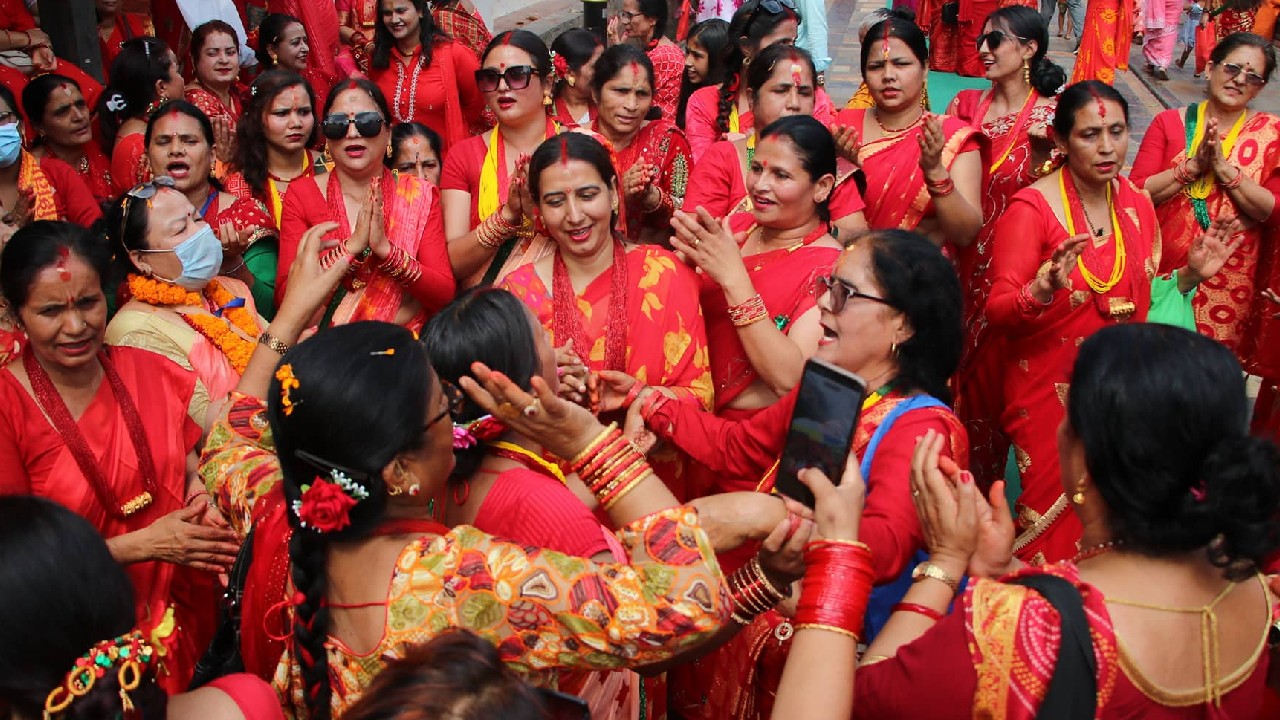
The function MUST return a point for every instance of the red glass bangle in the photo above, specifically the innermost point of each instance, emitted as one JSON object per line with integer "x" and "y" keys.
{"x": 918, "y": 609}
{"x": 836, "y": 586}
{"x": 653, "y": 404}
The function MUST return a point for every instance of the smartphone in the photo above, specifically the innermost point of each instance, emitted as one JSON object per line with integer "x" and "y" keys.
{"x": 561, "y": 706}
{"x": 821, "y": 434}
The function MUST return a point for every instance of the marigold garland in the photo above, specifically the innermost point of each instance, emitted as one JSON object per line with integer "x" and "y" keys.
{"x": 237, "y": 348}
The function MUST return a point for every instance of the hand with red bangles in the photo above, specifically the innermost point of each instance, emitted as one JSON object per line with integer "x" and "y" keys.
{"x": 948, "y": 506}
{"x": 848, "y": 142}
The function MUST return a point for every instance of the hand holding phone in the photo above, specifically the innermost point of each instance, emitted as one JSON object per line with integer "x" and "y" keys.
{"x": 823, "y": 422}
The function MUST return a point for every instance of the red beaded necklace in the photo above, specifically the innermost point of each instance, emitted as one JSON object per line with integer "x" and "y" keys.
{"x": 567, "y": 320}
{"x": 55, "y": 409}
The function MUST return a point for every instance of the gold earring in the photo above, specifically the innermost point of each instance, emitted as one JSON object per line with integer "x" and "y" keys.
{"x": 571, "y": 80}
{"x": 546, "y": 101}
{"x": 389, "y": 151}
{"x": 893, "y": 348}
{"x": 1078, "y": 497}
{"x": 1026, "y": 72}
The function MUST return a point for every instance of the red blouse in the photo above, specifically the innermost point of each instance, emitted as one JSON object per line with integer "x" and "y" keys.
{"x": 716, "y": 183}
{"x": 536, "y": 510}
{"x": 75, "y": 202}
{"x": 423, "y": 94}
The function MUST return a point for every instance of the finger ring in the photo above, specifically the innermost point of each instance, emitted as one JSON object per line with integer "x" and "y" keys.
{"x": 532, "y": 408}
{"x": 695, "y": 242}
{"x": 507, "y": 411}
{"x": 915, "y": 493}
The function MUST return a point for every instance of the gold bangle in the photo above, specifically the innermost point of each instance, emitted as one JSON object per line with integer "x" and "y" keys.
{"x": 828, "y": 628}
{"x": 273, "y": 343}
{"x": 838, "y": 541}
{"x": 624, "y": 492}
{"x": 594, "y": 442}
{"x": 758, "y": 571}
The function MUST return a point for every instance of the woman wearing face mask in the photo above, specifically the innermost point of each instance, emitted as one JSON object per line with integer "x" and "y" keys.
{"x": 392, "y": 223}
{"x": 924, "y": 171}
{"x": 488, "y": 211}
{"x": 780, "y": 83}
{"x": 283, "y": 45}
{"x": 143, "y": 76}
{"x": 703, "y": 61}
{"x": 274, "y": 138}
{"x": 1075, "y": 252}
{"x": 417, "y": 150}
{"x": 63, "y": 120}
{"x": 652, "y": 155}
{"x": 573, "y": 58}
{"x": 105, "y": 432}
{"x": 215, "y": 53}
{"x": 179, "y": 146}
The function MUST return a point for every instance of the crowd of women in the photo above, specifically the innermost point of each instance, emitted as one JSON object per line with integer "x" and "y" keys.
{"x": 448, "y": 376}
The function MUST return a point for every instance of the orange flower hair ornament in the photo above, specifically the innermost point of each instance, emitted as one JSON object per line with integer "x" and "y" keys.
{"x": 129, "y": 655}
{"x": 288, "y": 383}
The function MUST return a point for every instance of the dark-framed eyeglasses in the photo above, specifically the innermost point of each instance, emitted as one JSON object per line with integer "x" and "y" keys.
{"x": 774, "y": 7}
{"x": 368, "y": 124}
{"x": 142, "y": 191}
{"x": 994, "y": 39}
{"x": 517, "y": 77}
{"x": 628, "y": 15}
{"x": 1231, "y": 70}
{"x": 839, "y": 290}
{"x": 454, "y": 400}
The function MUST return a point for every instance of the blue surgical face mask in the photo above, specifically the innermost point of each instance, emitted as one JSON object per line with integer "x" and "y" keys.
{"x": 201, "y": 258}
{"x": 10, "y": 144}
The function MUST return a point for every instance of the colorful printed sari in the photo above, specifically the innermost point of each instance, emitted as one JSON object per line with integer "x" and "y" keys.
{"x": 1104, "y": 42}
{"x": 661, "y": 143}
{"x": 896, "y": 195}
{"x": 1042, "y": 341}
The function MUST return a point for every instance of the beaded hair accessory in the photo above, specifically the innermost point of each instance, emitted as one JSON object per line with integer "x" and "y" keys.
{"x": 325, "y": 505}
{"x": 129, "y": 655}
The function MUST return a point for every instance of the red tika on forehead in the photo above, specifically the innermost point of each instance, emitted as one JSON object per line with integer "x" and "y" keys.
{"x": 884, "y": 42}
{"x": 65, "y": 88}
{"x": 1102, "y": 106}
{"x": 564, "y": 151}
{"x": 64, "y": 273}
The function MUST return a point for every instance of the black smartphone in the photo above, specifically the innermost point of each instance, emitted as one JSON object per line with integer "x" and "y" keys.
{"x": 822, "y": 425}
{"x": 561, "y": 706}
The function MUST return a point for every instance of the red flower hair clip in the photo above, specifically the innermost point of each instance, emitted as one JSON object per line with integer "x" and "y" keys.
{"x": 560, "y": 65}
{"x": 325, "y": 505}
{"x": 482, "y": 429}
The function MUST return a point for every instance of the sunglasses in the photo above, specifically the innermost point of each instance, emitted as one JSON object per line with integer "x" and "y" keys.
{"x": 774, "y": 7}
{"x": 517, "y": 77}
{"x": 143, "y": 191}
{"x": 840, "y": 290}
{"x": 1231, "y": 70}
{"x": 995, "y": 39}
{"x": 368, "y": 124}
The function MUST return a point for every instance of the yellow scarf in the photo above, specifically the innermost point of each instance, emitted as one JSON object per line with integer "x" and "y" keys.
{"x": 495, "y": 159}
{"x": 734, "y": 124}
{"x": 1203, "y": 185}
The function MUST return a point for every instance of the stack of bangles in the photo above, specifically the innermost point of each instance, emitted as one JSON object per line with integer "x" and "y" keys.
{"x": 1182, "y": 175}
{"x": 400, "y": 266}
{"x": 1234, "y": 183}
{"x": 1028, "y": 304}
{"x": 753, "y": 594}
{"x": 748, "y": 313}
{"x": 836, "y": 587}
{"x": 610, "y": 466}
{"x": 940, "y": 188}
{"x": 339, "y": 251}
{"x": 664, "y": 203}
{"x": 495, "y": 230}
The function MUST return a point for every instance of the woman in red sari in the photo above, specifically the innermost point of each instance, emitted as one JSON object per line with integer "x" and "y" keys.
{"x": 1013, "y": 115}
{"x": 652, "y": 155}
{"x": 274, "y": 140}
{"x": 924, "y": 172}
{"x": 62, "y": 119}
{"x": 283, "y": 44}
{"x": 780, "y": 82}
{"x": 115, "y": 28}
{"x": 1075, "y": 252}
{"x": 215, "y": 56}
{"x": 105, "y": 433}
{"x": 426, "y": 76}
{"x": 573, "y": 57}
{"x": 402, "y": 270}
{"x": 643, "y": 24}
{"x": 144, "y": 75}
{"x": 1104, "y": 41}
{"x": 1177, "y": 505}
{"x": 37, "y": 188}
{"x": 357, "y": 20}
{"x": 488, "y": 211}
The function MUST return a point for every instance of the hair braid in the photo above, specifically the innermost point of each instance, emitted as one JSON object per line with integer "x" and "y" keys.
{"x": 728, "y": 97}
{"x": 311, "y": 619}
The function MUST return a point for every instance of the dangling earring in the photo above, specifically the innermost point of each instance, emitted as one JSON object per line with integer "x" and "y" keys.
{"x": 1026, "y": 72}
{"x": 389, "y": 151}
{"x": 571, "y": 80}
{"x": 546, "y": 101}
{"x": 1078, "y": 497}
{"x": 893, "y": 348}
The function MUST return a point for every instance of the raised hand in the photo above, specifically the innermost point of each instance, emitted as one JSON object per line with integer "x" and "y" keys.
{"x": 837, "y": 510}
{"x": 359, "y": 239}
{"x": 560, "y": 426}
{"x": 848, "y": 143}
{"x": 947, "y": 507}
{"x": 1061, "y": 263}
{"x": 224, "y": 138}
{"x": 1209, "y": 252}
{"x": 709, "y": 244}
{"x": 931, "y": 142}
{"x": 378, "y": 241}
{"x": 573, "y": 374}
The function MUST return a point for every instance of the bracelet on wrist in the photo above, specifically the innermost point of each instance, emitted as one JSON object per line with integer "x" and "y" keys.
{"x": 273, "y": 343}
{"x": 752, "y": 593}
{"x": 1235, "y": 182}
{"x": 836, "y": 587}
{"x": 748, "y": 313}
{"x": 941, "y": 190}
{"x": 925, "y": 610}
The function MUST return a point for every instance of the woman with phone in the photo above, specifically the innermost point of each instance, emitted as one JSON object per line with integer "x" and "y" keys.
{"x": 889, "y": 312}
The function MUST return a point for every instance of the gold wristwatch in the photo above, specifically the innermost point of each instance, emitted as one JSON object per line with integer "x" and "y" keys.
{"x": 929, "y": 570}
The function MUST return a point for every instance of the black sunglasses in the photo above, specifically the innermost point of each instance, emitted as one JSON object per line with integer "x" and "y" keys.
{"x": 1250, "y": 78}
{"x": 517, "y": 77}
{"x": 774, "y": 7}
{"x": 840, "y": 290}
{"x": 995, "y": 39}
{"x": 142, "y": 191}
{"x": 367, "y": 124}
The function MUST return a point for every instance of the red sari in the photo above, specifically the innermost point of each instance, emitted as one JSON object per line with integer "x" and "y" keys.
{"x": 34, "y": 459}
{"x": 668, "y": 69}
{"x": 1104, "y": 42}
{"x": 704, "y": 106}
{"x": 661, "y": 143}
{"x": 129, "y": 164}
{"x": 994, "y": 654}
{"x": 896, "y": 195}
{"x": 128, "y": 26}
{"x": 1042, "y": 342}
{"x": 442, "y": 95}
{"x": 212, "y": 106}
{"x": 262, "y": 255}
{"x": 978, "y": 382}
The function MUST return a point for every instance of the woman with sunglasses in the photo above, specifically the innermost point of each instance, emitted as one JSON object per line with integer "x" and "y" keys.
{"x": 723, "y": 112}
{"x": 1077, "y": 251}
{"x": 890, "y": 312}
{"x": 488, "y": 211}
{"x": 1104, "y": 40}
{"x": 143, "y": 76}
{"x": 390, "y": 221}
{"x": 923, "y": 171}
{"x": 62, "y": 117}
{"x": 274, "y": 139}
{"x": 643, "y": 24}
{"x": 1013, "y": 115}
{"x": 780, "y": 82}
{"x": 105, "y": 432}
{"x": 426, "y": 76}
{"x": 573, "y": 58}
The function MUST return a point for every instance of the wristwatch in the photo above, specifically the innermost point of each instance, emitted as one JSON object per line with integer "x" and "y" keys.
{"x": 929, "y": 570}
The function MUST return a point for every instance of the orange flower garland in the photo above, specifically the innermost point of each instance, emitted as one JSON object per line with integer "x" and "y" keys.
{"x": 238, "y": 349}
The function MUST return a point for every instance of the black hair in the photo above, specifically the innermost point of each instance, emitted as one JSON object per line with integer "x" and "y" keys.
{"x": 7, "y": 96}
{"x": 403, "y": 131}
{"x": 533, "y": 45}
{"x": 917, "y": 279}
{"x": 360, "y": 401}
{"x": 814, "y": 146}
{"x": 456, "y": 676}
{"x": 576, "y": 46}
{"x": 202, "y": 33}
{"x": 614, "y": 59}
{"x": 358, "y": 83}
{"x": 62, "y": 594}
{"x": 1077, "y": 96}
{"x": 428, "y": 34}
{"x": 658, "y": 12}
{"x": 37, "y": 246}
{"x": 1235, "y": 41}
{"x": 1046, "y": 76}
{"x": 1166, "y": 444}
{"x": 270, "y": 31}
{"x": 753, "y": 21}
{"x": 251, "y": 140}
{"x": 713, "y": 36}
{"x": 899, "y": 26}
{"x": 35, "y": 96}
{"x": 767, "y": 61}
{"x": 142, "y": 63}
{"x": 488, "y": 325}
{"x": 569, "y": 146}
{"x": 181, "y": 107}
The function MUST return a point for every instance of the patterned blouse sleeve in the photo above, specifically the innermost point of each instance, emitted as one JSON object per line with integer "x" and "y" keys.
{"x": 239, "y": 463}
{"x": 544, "y": 610}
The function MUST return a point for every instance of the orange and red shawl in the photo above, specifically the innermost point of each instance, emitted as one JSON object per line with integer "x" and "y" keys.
{"x": 1043, "y": 341}
{"x": 1104, "y": 44}
{"x": 462, "y": 26}
{"x": 896, "y": 195}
